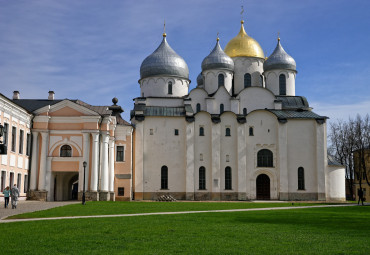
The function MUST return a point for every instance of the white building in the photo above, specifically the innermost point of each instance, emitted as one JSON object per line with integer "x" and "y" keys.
{"x": 241, "y": 134}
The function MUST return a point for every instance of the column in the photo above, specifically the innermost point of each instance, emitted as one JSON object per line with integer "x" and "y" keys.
{"x": 104, "y": 163}
{"x": 43, "y": 157}
{"x": 111, "y": 165}
{"x": 94, "y": 162}
{"x": 34, "y": 158}
{"x": 190, "y": 179}
{"x": 242, "y": 162}
{"x": 85, "y": 157}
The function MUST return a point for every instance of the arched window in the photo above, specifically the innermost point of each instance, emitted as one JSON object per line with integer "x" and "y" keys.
{"x": 251, "y": 131}
{"x": 221, "y": 80}
{"x": 170, "y": 87}
{"x": 202, "y": 178}
{"x": 221, "y": 108}
{"x": 282, "y": 85}
{"x": 261, "y": 80}
{"x": 198, "y": 107}
{"x": 300, "y": 178}
{"x": 264, "y": 158}
{"x": 244, "y": 111}
{"x": 66, "y": 151}
{"x": 247, "y": 80}
{"x": 164, "y": 177}
{"x": 228, "y": 132}
{"x": 228, "y": 180}
{"x": 201, "y": 131}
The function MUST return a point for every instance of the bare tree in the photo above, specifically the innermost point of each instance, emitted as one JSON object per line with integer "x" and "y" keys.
{"x": 349, "y": 145}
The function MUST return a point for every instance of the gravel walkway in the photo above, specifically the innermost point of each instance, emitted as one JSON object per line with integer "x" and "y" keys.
{"x": 164, "y": 213}
{"x": 30, "y": 206}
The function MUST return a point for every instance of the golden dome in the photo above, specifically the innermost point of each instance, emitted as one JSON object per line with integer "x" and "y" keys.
{"x": 243, "y": 45}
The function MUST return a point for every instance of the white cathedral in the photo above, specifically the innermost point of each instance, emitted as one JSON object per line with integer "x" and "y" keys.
{"x": 241, "y": 134}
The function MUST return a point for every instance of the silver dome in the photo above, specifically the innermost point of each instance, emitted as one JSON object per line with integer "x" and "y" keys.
{"x": 164, "y": 61}
{"x": 200, "y": 80}
{"x": 279, "y": 59}
{"x": 217, "y": 59}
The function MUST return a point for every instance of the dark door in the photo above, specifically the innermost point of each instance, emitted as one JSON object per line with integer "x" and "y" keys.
{"x": 263, "y": 187}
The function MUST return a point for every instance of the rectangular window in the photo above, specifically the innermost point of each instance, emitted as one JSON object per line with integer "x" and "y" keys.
{"x": 176, "y": 132}
{"x": 11, "y": 180}
{"x": 121, "y": 191}
{"x": 120, "y": 153}
{"x": 19, "y": 181}
{"x": 21, "y": 136}
{"x": 3, "y": 180}
{"x": 14, "y": 137}
{"x": 228, "y": 180}
{"x": 25, "y": 185}
{"x": 28, "y": 149}
{"x": 6, "y": 133}
{"x": 202, "y": 178}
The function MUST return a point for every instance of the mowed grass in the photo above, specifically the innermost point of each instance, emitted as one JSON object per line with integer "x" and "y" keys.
{"x": 109, "y": 208}
{"x": 336, "y": 230}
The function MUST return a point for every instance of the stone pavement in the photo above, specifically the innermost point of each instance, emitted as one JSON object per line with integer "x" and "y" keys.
{"x": 167, "y": 213}
{"x": 30, "y": 206}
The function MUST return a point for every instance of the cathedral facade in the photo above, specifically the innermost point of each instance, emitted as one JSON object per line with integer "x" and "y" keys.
{"x": 241, "y": 134}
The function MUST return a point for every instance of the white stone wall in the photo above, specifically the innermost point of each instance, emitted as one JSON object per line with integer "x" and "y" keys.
{"x": 158, "y": 87}
{"x": 243, "y": 65}
{"x": 335, "y": 183}
{"x": 211, "y": 80}
{"x": 254, "y": 98}
{"x": 272, "y": 81}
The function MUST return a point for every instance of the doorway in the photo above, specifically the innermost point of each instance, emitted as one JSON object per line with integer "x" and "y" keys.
{"x": 263, "y": 187}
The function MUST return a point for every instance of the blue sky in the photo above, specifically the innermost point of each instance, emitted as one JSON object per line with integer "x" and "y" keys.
{"x": 92, "y": 49}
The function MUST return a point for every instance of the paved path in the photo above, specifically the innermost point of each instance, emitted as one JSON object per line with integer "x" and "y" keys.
{"x": 168, "y": 213}
{"x": 30, "y": 206}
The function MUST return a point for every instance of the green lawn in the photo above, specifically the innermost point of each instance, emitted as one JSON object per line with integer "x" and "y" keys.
{"x": 339, "y": 230}
{"x": 109, "y": 208}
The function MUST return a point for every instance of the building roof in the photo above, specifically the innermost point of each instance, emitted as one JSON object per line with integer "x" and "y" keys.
{"x": 296, "y": 114}
{"x": 217, "y": 59}
{"x": 162, "y": 110}
{"x": 279, "y": 59}
{"x": 293, "y": 102}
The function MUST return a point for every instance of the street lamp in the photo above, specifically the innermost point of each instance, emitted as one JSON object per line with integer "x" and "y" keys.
{"x": 83, "y": 189}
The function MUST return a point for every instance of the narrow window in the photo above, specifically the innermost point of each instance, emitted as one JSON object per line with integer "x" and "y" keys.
{"x": 244, "y": 111}
{"x": 21, "y": 137}
{"x": 120, "y": 153}
{"x": 300, "y": 178}
{"x": 176, "y": 132}
{"x": 151, "y": 131}
{"x": 3, "y": 180}
{"x": 198, "y": 107}
{"x": 66, "y": 151}
{"x": 201, "y": 157}
{"x": 221, "y": 80}
{"x": 282, "y": 84}
{"x": 19, "y": 181}
{"x": 11, "y": 180}
{"x": 121, "y": 191}
{"x": 6, "y": 132}
{"x": 264, "y": 158}
{"x": 14, "y": 137}
{"x": 227, "y": 132}
{"x": 228, "y": 180}
{"x": 251, "y": 131}
{"x": 170, "y": 87}
{"x": 25, "y": 185}
{"x": 261, "y": 80}
{"x": 28, "y": 148}
{"x": 247, "y": 80}
{"x": 221, "y": 108}
{"x": 164, "y": 177}
{"x": 201, "y": 131}
{"x": 202, "y": 178}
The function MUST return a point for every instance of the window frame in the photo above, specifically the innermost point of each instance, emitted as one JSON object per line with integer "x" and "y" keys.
{"x": 228, "y": 178}
{"x": 21, "y": 140}
{"x": 202, "y": 178}
{"x": 247, "y": 80}
{"x": 169, "y": 88}
{"x": 14, "y": 139}
{"x": 120, "y": 152}
{"x": 198, "y": 107}
{"x": 62, "y": 151}
{"x": 201, "y": 131}
{"x": 301, "y": 180}
{"x": 164, "y": 177}
{"x": 222, "y": 108}
{"x": 221, "y": 80}
{"x": 227, "y": 131}
{"x": 265, "y": 158}
{"x": 251, "y": 131}
{"x": 282, "y": 85}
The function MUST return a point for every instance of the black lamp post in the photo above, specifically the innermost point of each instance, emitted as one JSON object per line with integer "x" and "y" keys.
{"x": 83, "y": 189}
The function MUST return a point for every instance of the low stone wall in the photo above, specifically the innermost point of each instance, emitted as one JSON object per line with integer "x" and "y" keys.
{"x": 38, "y": 195}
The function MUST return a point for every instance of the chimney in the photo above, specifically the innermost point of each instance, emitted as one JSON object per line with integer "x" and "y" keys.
{"x": 51, "y": 95}
{"x": 16, "y": 95}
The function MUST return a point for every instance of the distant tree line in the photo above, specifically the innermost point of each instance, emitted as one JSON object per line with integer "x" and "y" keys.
{"x": 350, "y": 146}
